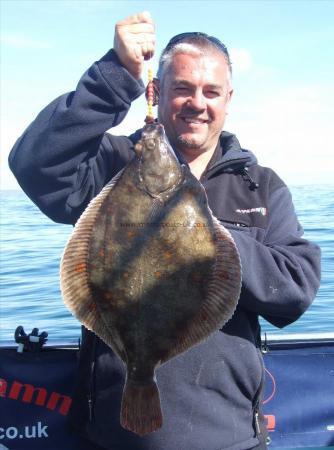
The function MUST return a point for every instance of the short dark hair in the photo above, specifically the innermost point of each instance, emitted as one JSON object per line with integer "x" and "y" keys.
{"x": 196, "y": 38}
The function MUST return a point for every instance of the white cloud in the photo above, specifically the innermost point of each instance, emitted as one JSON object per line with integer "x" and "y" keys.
{"x": 22, "y": 41}
{"x": 289, "y": 130}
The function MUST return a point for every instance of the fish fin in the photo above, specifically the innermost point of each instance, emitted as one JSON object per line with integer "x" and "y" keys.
{"x": 74, "y": 283}
{"x": 141, "y": 409}
{"x": 222, "y": 296}
{"x": 114, "y": 180}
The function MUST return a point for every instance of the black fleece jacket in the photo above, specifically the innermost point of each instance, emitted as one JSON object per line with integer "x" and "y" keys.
{"x": 210, "y": 394}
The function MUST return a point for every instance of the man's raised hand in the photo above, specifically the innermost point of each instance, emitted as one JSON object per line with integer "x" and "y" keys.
{"x": 134, "y": 41}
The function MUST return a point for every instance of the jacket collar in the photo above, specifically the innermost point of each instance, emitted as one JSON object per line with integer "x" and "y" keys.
{"x": 228, "y": 155}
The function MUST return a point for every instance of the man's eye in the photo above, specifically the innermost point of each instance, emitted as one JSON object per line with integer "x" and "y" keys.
{"x": 181, "y": 89}
{"x": 212, "y": 94}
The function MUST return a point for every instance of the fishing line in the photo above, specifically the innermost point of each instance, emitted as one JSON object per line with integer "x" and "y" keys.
{"x": 150, "y": 95}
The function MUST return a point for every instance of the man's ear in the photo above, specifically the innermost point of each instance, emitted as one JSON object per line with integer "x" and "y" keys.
{"x": 156, "y": 90}
{"x": 228, "y": 100}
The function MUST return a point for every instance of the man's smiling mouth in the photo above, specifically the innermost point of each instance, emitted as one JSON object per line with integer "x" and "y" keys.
{"x": 194, "y": 120}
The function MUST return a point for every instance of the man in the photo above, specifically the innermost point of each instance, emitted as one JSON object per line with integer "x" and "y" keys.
{"x": 211, "y": 395}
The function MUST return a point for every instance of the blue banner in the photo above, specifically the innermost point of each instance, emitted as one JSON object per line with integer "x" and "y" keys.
{"x": 35, "y": 397}
{"x": 299, "y": 394}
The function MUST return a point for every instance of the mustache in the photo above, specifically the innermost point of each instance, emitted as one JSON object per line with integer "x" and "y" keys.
{"x": 191, "y": 113}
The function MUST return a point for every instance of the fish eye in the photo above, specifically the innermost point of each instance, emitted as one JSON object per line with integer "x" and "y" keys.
{"x": 150, "y": 144}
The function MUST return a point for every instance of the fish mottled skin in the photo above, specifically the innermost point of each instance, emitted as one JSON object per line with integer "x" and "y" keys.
{"x": 150, "y": 270}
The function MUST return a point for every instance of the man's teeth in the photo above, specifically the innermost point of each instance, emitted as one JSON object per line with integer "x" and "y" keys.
{"x": 189, "y": 120}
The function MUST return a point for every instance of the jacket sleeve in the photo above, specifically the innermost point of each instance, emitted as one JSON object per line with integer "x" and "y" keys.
{"x": 281, "y": 272}
{"x": 66, "y": 151}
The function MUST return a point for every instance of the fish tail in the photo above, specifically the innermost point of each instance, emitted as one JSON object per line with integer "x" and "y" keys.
{"x": 141, "y": 409}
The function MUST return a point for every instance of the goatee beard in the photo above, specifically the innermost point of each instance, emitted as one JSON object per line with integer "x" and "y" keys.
{"x": 188, "y": 143}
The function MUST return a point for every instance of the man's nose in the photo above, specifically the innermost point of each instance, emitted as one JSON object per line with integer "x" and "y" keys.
{"x": 197, "y": 100}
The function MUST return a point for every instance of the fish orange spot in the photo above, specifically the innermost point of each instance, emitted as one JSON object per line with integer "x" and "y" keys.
{"x": 101, "y": 253}
{"x": 108, "y": 295}
{"x": 168, "y": 255}
{"x": 158, "y": 274}
{"x": 81, "y": 267}
{"x": 220, "y": 238}
{"x": 92, "y": 307}
{"x": 204, "y": 316}
{"x": 131, "y": 234}
{"x": 223, "y": 274}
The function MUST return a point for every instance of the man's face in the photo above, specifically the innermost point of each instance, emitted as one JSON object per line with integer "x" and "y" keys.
{"x": 193, "y": 101}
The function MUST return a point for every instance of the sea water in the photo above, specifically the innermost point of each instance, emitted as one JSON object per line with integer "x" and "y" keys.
{"x": 32, "y": 245}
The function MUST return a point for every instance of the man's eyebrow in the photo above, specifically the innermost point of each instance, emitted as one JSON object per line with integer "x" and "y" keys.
{"x": 182, "y": 82}
{"x": 216, "y": 87}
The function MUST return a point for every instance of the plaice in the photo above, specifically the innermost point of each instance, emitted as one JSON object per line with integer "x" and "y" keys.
{"x": 150, "y": 270}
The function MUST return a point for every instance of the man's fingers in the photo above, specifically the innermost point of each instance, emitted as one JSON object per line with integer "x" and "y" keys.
{"x": 148, "y": 50}
{"x": 134, "y": 41}
{"x": 139, "y": 28}
{"x": 144, "y": 39}
{"x": 145, "y": 16}
{"x": 142, "y": 17}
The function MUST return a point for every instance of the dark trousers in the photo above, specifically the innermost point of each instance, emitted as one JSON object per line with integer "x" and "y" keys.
{"x": 261, "y": 446}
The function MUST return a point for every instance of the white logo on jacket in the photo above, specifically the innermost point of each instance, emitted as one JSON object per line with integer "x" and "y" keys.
{"x": 261, "y": 210}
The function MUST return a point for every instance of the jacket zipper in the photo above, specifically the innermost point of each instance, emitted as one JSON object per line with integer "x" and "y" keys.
{"x": 260, "y": 431}
{"x": 257, "y": 423}
{"x": 90, "y": 408}
{"x": 237, "y": 163}
{"x": 90, "y": 396}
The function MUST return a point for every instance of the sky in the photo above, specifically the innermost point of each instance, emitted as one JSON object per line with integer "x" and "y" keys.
{"x": 282, "y": 57}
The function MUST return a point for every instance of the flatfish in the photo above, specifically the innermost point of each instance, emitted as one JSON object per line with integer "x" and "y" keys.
{"x": 150, "y": 270}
